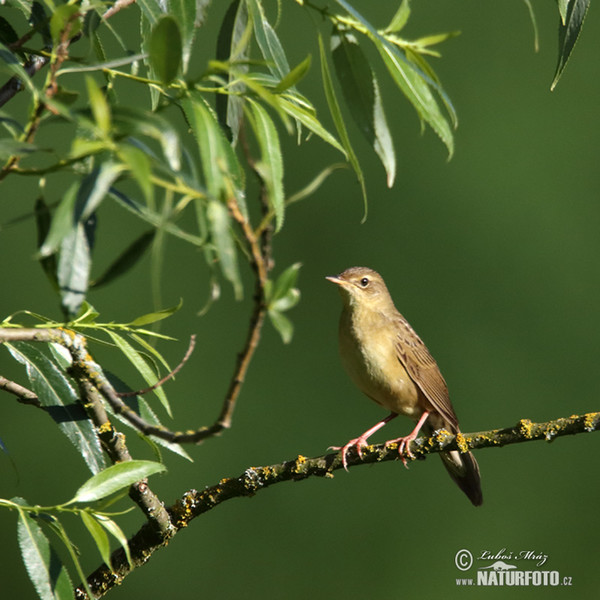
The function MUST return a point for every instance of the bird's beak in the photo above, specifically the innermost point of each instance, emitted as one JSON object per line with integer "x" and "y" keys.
{"x": 336, "y": 279}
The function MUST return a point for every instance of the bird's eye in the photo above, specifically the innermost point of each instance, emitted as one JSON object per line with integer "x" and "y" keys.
{"x": 364, "y": 281}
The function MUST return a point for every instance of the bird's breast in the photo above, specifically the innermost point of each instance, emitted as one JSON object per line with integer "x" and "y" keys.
{"x": 368, "y": 352}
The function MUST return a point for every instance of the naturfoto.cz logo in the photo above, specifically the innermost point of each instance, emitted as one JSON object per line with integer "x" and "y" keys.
{"x": 497, "y": 572}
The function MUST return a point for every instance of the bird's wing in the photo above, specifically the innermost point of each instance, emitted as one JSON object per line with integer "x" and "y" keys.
{"x": 423, "y": 370}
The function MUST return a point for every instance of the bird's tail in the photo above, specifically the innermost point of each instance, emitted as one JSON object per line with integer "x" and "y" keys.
{"x": 463, "y": 468}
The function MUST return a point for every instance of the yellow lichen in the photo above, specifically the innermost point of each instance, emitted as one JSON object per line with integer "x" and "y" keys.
{"x": 105, "y": 427}
{"x": 525, "y": 427}
{"x": 588, "y": 421}
{"x": 461, "y": 442}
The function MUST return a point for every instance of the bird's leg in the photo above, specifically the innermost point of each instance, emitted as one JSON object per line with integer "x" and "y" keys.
{"x": 404, "y": 442}
{"x": 361, "y": 441}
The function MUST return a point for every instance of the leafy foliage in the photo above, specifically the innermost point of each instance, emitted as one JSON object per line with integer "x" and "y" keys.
{"x": 181, "y": 162}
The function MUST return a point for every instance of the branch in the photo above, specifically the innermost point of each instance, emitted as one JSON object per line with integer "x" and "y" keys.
{"x": 254, "y": 479}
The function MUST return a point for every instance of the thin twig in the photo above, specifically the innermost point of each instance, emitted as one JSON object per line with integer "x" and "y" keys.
{"x": 193, "y": 503}
{"x": 23, "y": 395}
{"x": 166, "y": 378}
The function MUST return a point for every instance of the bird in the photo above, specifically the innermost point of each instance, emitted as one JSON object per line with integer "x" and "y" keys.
{"x": 391, "y": 365}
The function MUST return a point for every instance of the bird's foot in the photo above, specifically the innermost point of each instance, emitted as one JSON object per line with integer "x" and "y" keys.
{"x": 404, "y": 447}
{"x": 359, "y": 443}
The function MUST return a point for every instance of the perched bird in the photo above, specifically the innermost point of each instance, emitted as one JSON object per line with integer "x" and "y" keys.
{"x": 389, "y": 363}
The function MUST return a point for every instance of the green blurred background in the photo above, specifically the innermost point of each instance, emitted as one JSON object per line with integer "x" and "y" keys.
{"x": 492, "y": 257}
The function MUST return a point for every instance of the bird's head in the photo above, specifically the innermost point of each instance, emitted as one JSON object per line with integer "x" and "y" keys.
{"x": 362, "y": 287}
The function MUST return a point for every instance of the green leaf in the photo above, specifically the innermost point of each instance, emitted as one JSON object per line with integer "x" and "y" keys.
{"x": 139, "y": 165}
{"x": 62, "y": 224}
{"x": 165, "y": 49}
{"x": 94, "y": 188}
{"x": 184, "y": 14}
{"x": 223, "y": 173}
{"x": 270, "y": 165}
{"x": 568, "y": 34}
{"x": 142, "y": 367}
{"x": 416, "y": 89}
{"x": 139, "y": 405}
{"x": 294, "y": 76}
{"x": 413, "y": 83}
{"x": 400, "y": 18}
{"x": 309, "y": 120}
{"x": 61, "y": 402}
{"x": 98, "y": 534}
{"x": 334, "y": 109}
{"x": 10, "y": 147}
{"x": 268, "y": 42}
{"x": 115, "y": 478}
{"x": 155, "y": 316}
{"x": 232, "y": 46}
{"x": 127, "y": 259}
{"x": 99, "y": 105}
{"x": 44, "y": 567}
{"x": 283, "y": 325}
{"x": 284, "y": 284}
{"x": 563, "y": 7}
{"x": 73, "y": 269}
{"x": 117, "y": 533}
{"x": 361, "y": 92}
{"x": 43, "y": 220}
{"x": 64, "y": 16}
{"x": 220, "y": 228}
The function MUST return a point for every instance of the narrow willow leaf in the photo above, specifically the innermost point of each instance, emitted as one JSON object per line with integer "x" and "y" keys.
{"x": 127, "y": 260}
{"x": 99, "y": 536}
{"x": 223, "y": 173}
{"x": 268, "y": 42}
{"x": 99, "y": 106}
{"x": 10, "y": 147}
{"x": 115, "y": 478}
{"x": 222, "y": 236}
{"x": 63, "y": 222}
{"x": 155, "y": 316}
{"x": 536, "y": 38}
{"x": 336, "y": 113}
{"x": 73, "y": 269}
{"x": 142, "y": 367}
{"x": 568, "y": 34}
{"x": 294, "y": 76}
{"x": 139, "y": 405}
{"x": 563, "y": 6}
{"x": 361, "y": 93}
{"x": 184, "y": 13}
{"x": 413, "y": 83}
{"x": 117, "y": 533}
{"x": 139, "y": 164}
{"x": 94, "y": 188}
{"x": 61, "y": 402}
{"x": 308, "y": 119}
{"x": 153, "y": 218}
{"x": 232, "y": 47}
{"x": 270, "y": 165}
{"x": 165, "y": 49}
{"x": 43, "y": 220}
{"x": 400, "y": 18}
{"x": 416, "y": 89}
{"x": 44, "y": 567}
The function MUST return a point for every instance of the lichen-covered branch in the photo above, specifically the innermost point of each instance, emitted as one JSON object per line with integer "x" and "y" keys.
{"x": 254, "y": 479}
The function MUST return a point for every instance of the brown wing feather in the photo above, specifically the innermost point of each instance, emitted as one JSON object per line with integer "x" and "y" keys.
{"x": 423, "y": 370}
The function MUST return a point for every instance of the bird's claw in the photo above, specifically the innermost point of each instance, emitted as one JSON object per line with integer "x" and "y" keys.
{"x": 403, "y": 448}
{"x": 358, "y": 443}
